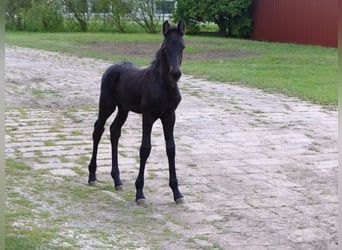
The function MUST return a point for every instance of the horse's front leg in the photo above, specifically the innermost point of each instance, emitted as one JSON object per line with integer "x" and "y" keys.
{"x": 145, "y": 150}
{"x": 168, "y": 125}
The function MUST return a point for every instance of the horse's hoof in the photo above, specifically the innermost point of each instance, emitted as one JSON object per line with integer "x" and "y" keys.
{"x": 119, "y": 188}
{"x": 180, "y": 200}
{"x": 92, "y": 183}
{"x": 140, "y": 202}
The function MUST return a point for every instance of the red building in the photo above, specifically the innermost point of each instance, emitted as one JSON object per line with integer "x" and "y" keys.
{"x": 296, "y": 21}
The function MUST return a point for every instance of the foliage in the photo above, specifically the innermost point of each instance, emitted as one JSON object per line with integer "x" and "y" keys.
{"x": 14, "y": 13}
{"x": 34, "y": 15}
{"x": 80, "y": 10}
{"x": 233, "y": 17}
{"x": 120, "y": 10}
{"x": 143, "y": 13}
{"x": 45, "y": 15}
{"x": 240, "y": 24}
{"x": 114, "y": 13}
{"x": 217, "y": 11}
{"x": 188, "y": 11}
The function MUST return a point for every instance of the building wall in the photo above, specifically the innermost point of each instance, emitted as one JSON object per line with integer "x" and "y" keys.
{"x": 296, "y": 21}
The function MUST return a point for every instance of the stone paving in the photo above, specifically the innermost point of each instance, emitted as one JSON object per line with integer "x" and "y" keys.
{"x": 258, "y": 170}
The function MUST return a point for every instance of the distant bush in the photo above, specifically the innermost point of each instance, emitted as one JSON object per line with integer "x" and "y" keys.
{"x": 44, "y": 16}
{"x": 233, "y": 17}
{"x": 230, "y": 18}
{"x": 71, "y": 25}
{"x": 80, "y": 10}
{"x": 35, "y": 16}
{"x": 189, "y": 11}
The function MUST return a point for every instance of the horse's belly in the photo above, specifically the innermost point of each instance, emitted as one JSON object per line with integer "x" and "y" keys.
{"x": 129, "y": 102}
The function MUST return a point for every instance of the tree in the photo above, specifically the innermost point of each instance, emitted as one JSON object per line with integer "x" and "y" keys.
{"x": 102, "y": 11}
{"x": 80, "y": 10}
{"x": 14, "y": 12}
{"x": 116, "y": 11}
{"x": 34, "y": 15}
{"x": 218, "y": 12}
{"x": 240, "y": 18}
{"x": 120, "y": 12}
{"x": 189, "y": 11}
{"x": 143, "y": 13}
{"x": 51, "y": 15}
{"x": 164, "y": 7}
{"x": 233, "y": 17}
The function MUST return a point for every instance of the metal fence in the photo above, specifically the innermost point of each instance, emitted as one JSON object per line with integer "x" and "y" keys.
{"x": 296, "y": 21}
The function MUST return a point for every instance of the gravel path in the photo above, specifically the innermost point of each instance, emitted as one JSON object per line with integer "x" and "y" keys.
{"x": 258, "y": 170}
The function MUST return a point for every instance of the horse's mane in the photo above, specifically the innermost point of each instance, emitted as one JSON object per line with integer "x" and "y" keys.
{"x": 156, "y": 60}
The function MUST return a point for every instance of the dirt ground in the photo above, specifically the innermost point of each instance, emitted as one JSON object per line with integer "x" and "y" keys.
{"x": 258, "y": 170}
{"x": 148, "y": 50}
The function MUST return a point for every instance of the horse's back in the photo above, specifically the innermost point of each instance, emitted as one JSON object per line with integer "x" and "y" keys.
{"x": 121, "y": 83}
{"x": 123, "y": 67}
{"x": 111, "y": 77}
{"x": 119, "y": 69}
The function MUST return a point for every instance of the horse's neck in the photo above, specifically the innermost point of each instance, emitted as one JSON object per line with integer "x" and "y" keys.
{"x": 161, "y": 71}
{"x": 162, "y": 66}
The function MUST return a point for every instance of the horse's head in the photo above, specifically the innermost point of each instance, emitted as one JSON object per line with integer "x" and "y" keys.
{"x": 172, "y": 48}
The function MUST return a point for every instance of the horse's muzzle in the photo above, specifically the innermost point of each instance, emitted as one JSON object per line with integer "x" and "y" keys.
{"x": 175, "y": 74}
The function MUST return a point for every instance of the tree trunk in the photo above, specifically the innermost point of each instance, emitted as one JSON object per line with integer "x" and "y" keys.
{"x": 82, "y": 21}
{"x": 223, "y": 26}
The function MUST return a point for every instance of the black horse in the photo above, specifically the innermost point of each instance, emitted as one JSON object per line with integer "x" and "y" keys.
{"x": 152, "y": 92}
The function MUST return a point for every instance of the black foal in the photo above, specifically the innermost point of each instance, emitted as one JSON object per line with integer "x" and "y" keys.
{"x": 152, "y": 92}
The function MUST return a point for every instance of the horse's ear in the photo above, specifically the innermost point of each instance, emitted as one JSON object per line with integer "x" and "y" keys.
{"x": 166, "y": 27}
{"x": 181, "y": 27}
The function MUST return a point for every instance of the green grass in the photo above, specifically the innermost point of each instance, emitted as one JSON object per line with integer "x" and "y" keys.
{"x": 306, "y": 72}
{"x": 49, "y": 143}
{"x": 24, "y": 243}
{"x": 43, "y": 211}
{"x": 38, "y": 93}
{"x": 77, "y": 132}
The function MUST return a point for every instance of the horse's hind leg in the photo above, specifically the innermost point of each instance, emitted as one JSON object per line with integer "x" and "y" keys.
{"x": 105, "y": 110}
{"x": 115, "y": 133}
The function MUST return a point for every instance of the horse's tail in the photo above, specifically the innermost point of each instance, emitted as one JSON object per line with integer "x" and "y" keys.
{"x": 110, "y": 80}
